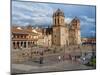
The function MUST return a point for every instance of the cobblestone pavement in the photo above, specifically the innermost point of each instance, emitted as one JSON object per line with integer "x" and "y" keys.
{"x": 31, "y": 67}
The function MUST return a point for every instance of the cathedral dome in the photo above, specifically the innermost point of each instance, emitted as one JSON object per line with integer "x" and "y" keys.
{"x": 58, "y": 13}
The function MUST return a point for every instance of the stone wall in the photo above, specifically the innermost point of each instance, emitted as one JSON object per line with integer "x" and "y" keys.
{"x": 18, "y": 56}
{"x": 22, "y": 55}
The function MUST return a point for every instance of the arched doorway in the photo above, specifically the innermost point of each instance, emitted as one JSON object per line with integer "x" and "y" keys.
{"x": 17, "y": 44}
{"x": 28, "y": 44}
{"x": 21, "y": 44}
{"x": 24, "y": 44}
{"x": 14, "y": 45}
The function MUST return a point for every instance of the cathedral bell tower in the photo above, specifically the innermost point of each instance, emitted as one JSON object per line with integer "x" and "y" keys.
{"x": 75, "y": 32}
{"x": 59, "y": 29}
{"x": 58, "y": 18}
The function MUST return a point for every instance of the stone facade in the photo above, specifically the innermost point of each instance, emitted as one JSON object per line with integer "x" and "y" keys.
{"x": 74, "y": 32}
{"x": 45, "y": 41}
{"x": 23, "y": 38}
{"x": 62, "y": 34}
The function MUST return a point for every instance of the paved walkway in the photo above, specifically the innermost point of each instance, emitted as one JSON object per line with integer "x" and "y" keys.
{"x": 32, "y": 67}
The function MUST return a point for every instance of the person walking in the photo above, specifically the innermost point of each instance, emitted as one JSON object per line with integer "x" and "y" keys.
{"x": 59, "y": 58}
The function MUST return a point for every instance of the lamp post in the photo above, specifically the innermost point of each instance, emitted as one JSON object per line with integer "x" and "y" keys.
{"x": 12, "y": 42}
{"x": 79, "y": 46}
{"x": 41, "y": 57}
{"x": 64, "y": 53}
{"x": 93, "y": 54}
{"x": 31, "y": 51}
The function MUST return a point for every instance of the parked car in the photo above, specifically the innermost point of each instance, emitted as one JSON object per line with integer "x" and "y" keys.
{"x": 84, "y": 59}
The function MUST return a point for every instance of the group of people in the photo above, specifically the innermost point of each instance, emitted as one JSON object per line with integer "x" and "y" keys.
{"x": 67, "y": 57}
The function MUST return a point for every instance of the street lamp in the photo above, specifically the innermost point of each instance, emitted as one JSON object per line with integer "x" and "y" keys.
{"x": 31, "y": 51}
{"x": 80, "y": 49}
{"x": 41, "y": 57}
{"x": 93, "y": 53}
{"x": 64, "y": 53}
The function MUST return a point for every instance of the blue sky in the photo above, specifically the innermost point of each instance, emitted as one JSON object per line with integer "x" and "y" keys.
{"x": 30, "y": 13}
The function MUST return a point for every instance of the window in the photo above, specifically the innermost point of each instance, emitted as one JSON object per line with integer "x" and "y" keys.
{"x": 58, "y": 20}
{"x": 21, "y": 36}
{"x": 55, "y": 20}
{"x": 16, "y": 36}
{"x": 62, "y": 20}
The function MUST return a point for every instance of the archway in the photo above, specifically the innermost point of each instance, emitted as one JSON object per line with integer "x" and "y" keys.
{"x": 17, "y": 44}
{"x": 14, "y": 45}
{"x": 24, "y": 44}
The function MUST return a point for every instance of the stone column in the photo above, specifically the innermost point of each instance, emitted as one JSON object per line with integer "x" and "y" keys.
{"x": 12, "y": 45}
{"x": 26, "y": 44}
{"x": 23, "y": 44}
{"x": 30, "y": 44}
{"x": 15, "y": 44}
{"x": 19, "y": 44}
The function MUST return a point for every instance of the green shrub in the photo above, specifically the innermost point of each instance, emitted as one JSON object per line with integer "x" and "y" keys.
{"x": 92, "y": 62}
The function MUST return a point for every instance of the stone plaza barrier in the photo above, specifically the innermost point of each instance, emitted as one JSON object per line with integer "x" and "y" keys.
{"x": 25, "y": 54}
{"x": 18, "y": 56}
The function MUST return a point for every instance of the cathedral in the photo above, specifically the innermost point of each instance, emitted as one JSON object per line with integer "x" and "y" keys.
{"x": 63, "y": 33}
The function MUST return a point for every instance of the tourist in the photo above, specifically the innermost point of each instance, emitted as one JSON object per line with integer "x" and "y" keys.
{"x": 59, "y": 58}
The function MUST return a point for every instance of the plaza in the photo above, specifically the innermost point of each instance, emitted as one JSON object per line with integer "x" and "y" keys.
{"x": 51, "y": 60}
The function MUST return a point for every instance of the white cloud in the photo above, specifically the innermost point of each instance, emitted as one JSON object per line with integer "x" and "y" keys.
{"x": 92, "y": 31}
{"x": 68, "y": 20}
{"x": 84, "y": 23}
{"x": 88, "y": 19}
{"x": 39, "y": 13}
{"x": 22, "y": 5}
{"x": 20, "y": 15}
{"x": 42, "y": 20}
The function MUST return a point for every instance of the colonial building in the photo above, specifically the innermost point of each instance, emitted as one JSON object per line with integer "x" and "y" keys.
{"x": 23, "y": 38}
{"x": 28, "y": 37}
{"x": 88, "y": 40}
